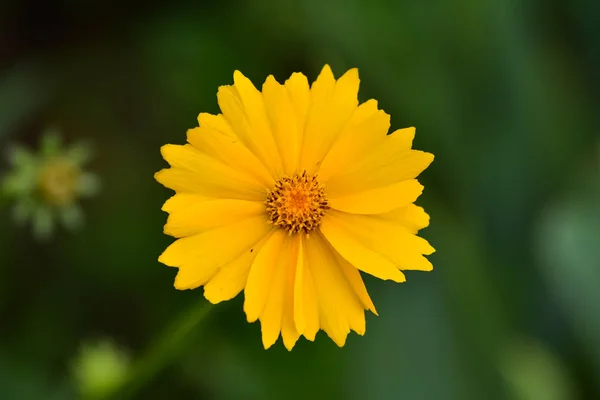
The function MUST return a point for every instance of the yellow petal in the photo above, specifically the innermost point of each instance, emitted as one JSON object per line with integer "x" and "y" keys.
{"x": 229, "y": 151}
{"x": 198, "y": 257}
{"x": 299, "y": 94}
{"x": 306, "y": 308}
{"x": 210, "y": 214}
{"x": 216, "y": 122}
{"x": 386, "y": 238}
{"x": 366, "y": 129}
{"x": 284, "y": 123}
{"x": 193, "y": 277}
{"x": 261, "y": 274}
{"x": 181, "y": 201}
{"x": 299, "y": 318}
{"x": 289, "y": 333}
{"x": 332, "y": 104}
{"x": 195, "y": 172}
{"x": 372, "y": 172}
{"x": 400, "y": 139}
{"x": 356, "y": 253}
{"x": 243, "y": 107}
{"x": 356, "y": 283}
{"x": 230, "y": 279}
{"x": 339, "y": 307}
{"x": 379, "y": 200}
{"x": 413, "y": 217}
{"x": 277, "y": 314}
{"x": 362, "y": 113}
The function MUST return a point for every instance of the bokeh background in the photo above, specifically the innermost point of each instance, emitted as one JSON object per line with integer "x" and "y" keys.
{"x": 505, "y": 94}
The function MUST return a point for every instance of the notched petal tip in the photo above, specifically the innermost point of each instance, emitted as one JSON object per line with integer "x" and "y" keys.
{"x": 289, "y": 347}
{"x": 424, "y": 224}
{"x": 373, "y": 106}
{"x": 326, "y": 73}
{"x": 361, "y": 331}
{"x": 226, "y": 90}
{"x": 429, "y": 157}
{"x": 177, "y": 282}
{"x": 165, "y": 207}
{"x": 400, "y": 278}
{"x": 297, "y": 79}
{"x": 158, "y": 176}
{"x": 341, "y": 341}
{"x": 212, "y": 300}
{"x": 271, "y": 80}
{"x": 431, "y": 251}
{"x": 326, "y": 68}
{"x": 237, "y": 74}
{"x": 266, "y": 345}
{"x": 202, "y": 117}
{"x": 166, "y": 147}
{"x": 310, "y": 337}
{"x": 290, "y": 342}
{"x": 238, "y": 78}
{"x": 296, "y": 75}
{"x": 168, "y": 232}
{"x": 409, "y": 132}
{"x": 166, "y": 255}
{"x": 249, "y": 317}
{"x": 269, "y": 335}
{"x": 179, "y": 285}
{"x": 432, "y": 157}
{"x": 172, "y": 152}
{"x": 424, "y": 247}
{"x": 191, "y": 131}
{"x": 425, "y": 159}
{"x": 242, "y": 80}
{"x": 351, "y": 74}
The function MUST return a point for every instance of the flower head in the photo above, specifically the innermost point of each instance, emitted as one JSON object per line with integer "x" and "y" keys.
{"x": 287, "y": 195}
{"x": 46, "y": 185}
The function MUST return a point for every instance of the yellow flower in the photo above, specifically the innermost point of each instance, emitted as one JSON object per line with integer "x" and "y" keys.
{"x": 287, "y": 195}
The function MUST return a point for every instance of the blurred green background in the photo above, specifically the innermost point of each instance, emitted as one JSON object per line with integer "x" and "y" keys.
{"x": 504, "y": 93}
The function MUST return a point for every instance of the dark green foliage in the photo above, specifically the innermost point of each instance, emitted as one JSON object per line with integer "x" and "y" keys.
{"x": 504, "y": 93}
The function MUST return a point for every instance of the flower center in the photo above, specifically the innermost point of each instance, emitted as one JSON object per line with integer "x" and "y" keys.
{"x": 297, "y": 203}
{"x": 58, "y": 182}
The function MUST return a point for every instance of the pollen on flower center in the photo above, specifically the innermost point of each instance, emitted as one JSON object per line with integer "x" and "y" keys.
{"x": 297, "y": 203}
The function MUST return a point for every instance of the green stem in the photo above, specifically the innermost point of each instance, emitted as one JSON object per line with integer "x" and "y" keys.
{"x": 165, "y": 350}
